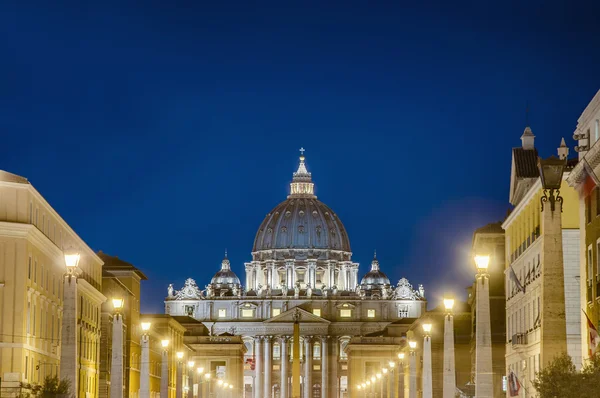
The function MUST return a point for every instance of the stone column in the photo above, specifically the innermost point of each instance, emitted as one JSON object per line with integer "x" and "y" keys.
{"x": 483, "y": 339}
{"x": 342, "y": 277}
{"x": 553, "y": 330}
{"x": 289, "y": 269}
{"x": 427, "y": 378}
{"x": 270, "y": 275}
{"x": 412, "y": 380}
{"x": 333, "y": 367}
{"x": 258, "y": 367}
{"x": 164, "y": 375}
{"x": 268, "y": 367}
{"x": 285, "y": 360}
{"x": 312, "y": 269}
{"x": 116, "y": 367}
{"x": 449, "y": 370}
{"x": 308, "y": 366}
{"x": 190, "y": 382}
{"x": 68, "y": 343}
{"x": 179, "y": 380}
{"x": 324, "y": 367}
{"x": 145, "y": 367}
{"x": 248, "y": 278}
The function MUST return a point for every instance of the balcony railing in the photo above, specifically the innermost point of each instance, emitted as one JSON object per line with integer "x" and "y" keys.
{"x": 519, "y": 339}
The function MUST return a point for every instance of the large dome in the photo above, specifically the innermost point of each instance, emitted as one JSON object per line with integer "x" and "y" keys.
{"x": 301, "y": 221}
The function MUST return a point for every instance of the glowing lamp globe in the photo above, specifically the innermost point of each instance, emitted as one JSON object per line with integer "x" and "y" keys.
{"x": 191, "y": 364}
{"x": 412, "y": 344}
{"x": 427, "y": 327}
{"x": 401, "y": 354}
{"x": 482, "y": 262}
{"x": 117, "y": 303}
{"x": 448, "y": 304}
{"x": 180, "y": 355}
{"x": 146, "y": 326}
{"x": 72, "y": 258}
{"x": 164, "y": 343}
{"x": 384, "y": 370}
{"x": 392, "y": 364}
{"x": 230, "y": 386}
{"x": 207, "y": 376}
{"x": 200, "y": 370}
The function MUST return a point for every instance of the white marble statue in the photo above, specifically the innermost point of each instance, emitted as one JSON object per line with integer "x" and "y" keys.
{"x": 170, "y": 290}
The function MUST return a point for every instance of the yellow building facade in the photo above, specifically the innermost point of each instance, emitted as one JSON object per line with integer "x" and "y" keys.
{"x": 585, "y": 179}
{"x": 524, "y": 235}
{"x": 32, "y": 268}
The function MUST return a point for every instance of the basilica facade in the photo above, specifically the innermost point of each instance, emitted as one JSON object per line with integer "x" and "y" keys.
{"x": 301, "y": 268}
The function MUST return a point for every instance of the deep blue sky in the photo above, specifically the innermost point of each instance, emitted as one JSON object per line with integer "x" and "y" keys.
{"x": 164, "y": 133}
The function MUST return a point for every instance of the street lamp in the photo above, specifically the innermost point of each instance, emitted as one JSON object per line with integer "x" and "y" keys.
{"x": 191, "y": 378}
{"x": 483, "y": 333}
{"x": 68, "y": 350}
{"x": 427, "y": 377}
{"x": 551, "y": 172}
{"x": 412, "y": 369}
{"x": 164, "y": 374}
{"x": 145, "y": 365}
{"x": 116, "y": 367}
{"x": 449, "y": 386}
{"x": 179, "y": 380}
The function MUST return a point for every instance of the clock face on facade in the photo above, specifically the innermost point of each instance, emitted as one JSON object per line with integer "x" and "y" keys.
{"x": 404, "y": 291}
{"x": 189, "y": 291}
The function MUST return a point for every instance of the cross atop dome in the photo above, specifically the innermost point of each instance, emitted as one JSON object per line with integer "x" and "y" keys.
{"x": 302, "y": 185}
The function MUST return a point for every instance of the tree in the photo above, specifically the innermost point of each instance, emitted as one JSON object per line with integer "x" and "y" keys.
{"x": 53, "y": 387}
{"x": 560, "y": 379}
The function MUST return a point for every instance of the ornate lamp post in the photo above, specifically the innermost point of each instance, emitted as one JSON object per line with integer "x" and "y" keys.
{"x": 553, "y": 331}
{"x": 449, "y": 370}
{"x": 145, "y": 365}
{"x": 179, "y": 380}
{"x": 164, "y": 371}
{"x": 116, "y": 366}
{"x": 412, "y": 377}
{"x": 427, "y": 377}
{"x": 68, "y": 346}
{"x": 483, "y": 332}
{"x": 200, "y": 371}
{"x": 207, "y": 381}
{"x": 191, "y": 379}
{"x": 386, "y": 382}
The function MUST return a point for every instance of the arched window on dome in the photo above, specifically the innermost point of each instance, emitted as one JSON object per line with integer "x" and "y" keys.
{"x": 276, "y": 351}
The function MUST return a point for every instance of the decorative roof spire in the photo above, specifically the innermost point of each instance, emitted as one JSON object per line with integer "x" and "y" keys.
{"x": 527, "y": 139}
{"x": 375, "y": 262}
{"x": 302, "y": 185}
{"x": 225, "y": 264}
{"x": 563, "y": 149}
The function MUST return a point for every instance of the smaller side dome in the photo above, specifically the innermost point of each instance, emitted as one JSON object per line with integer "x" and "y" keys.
{"x": 225, "y": 278}
{"x": 374, "y": 279}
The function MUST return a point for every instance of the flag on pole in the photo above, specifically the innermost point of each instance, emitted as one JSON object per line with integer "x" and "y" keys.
{"x": 514, "y": 386}
{"x": 513, "y": 276}
{"x": 593, "y": 337}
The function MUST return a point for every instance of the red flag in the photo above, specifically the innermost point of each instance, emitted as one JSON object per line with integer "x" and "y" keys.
{"x": 593, "y": 337}
{"x": 513, "y": 385}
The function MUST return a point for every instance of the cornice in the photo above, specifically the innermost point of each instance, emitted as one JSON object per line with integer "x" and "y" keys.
{"x": 29, "y": 187}
{"x": 91, "y": 291}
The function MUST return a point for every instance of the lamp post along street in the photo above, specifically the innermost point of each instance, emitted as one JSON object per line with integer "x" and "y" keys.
{"x": 553, "y": 331}
{"x": 483, "y": 331}
{"x": 412, "y": 367}
{"x": 116, "y": 367}
{"x": 200, "y": 374}
{"x": 190, "y": 379}
{"x": 68, "y": 346}
{"x": 449, "y": 387}
{"x": 145, "y": 365}
{"x": 179, "y": 376}
{"x": 427, "y": 377}
{"x": 164, "y": 370}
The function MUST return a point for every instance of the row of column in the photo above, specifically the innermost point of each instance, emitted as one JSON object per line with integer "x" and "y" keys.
{"x": 263, "y": 353}
{"x": 346, "y": 280}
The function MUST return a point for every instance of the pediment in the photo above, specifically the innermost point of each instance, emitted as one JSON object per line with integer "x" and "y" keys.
{"x": 289, "y": 317}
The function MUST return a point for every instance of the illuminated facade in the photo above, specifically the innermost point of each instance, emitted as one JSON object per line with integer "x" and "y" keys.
{"x": 32, "y": 268}
{"x": 585, "y": 179}
{"x": 301, "y": 266}
{"x": 524, "y": 234}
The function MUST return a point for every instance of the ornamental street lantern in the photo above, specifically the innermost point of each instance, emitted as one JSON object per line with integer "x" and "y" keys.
{"x": 551, "y": 172}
